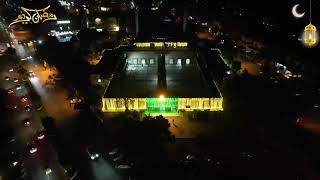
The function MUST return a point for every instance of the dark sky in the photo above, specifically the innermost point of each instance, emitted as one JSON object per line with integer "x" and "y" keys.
{"x": 279, "y": 12}
{"x": 276, "y": 11}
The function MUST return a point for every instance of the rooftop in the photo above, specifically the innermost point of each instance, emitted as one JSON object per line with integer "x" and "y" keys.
{"x": 151, "y": 73}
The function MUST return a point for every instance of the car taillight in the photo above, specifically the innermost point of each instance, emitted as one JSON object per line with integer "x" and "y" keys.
{"x": 41, "y": 136}
{"x": 33, "y": 150}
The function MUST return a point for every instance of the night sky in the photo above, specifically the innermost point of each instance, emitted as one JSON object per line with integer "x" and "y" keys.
{"x": 276, "y": 12}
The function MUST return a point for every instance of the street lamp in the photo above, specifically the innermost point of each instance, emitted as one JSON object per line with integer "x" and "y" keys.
{"x": 48, "y": 171}
{"x": 162, "y": 98}
{"x": 98, "y": 21}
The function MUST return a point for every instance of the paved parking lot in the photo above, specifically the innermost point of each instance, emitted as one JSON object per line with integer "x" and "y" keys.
{"x": 185, "y": 127}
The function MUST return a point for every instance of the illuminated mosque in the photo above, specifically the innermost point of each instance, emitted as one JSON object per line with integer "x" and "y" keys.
{"x": 161, "y": 78}
{"x": 161, "y": 72}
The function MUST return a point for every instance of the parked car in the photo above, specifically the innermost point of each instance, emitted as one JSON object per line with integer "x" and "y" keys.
{"x": 113, "y": 152}
{"x": 23, "y": 98}
{"x": 18, "y": 87}
{"x": 26, "y": 122}
{"x": 31, "y": 74}
{"x": 58, "y": 78}
{"x": 118, "y": 158}
{"x": 40, "y": 135}
{"x": 79, "y": 106}
{"x": 70, "y": 171}
{"x": 92, "y": 153}
{"x": 33, "y": 148}
{"x": 38, "y": 107}
{"x": 123, "y": 166}
{"x": 27, "y": 108}
{"x": 10, "y": 91}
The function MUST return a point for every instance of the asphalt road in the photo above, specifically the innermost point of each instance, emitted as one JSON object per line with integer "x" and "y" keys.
{"x": 25, "y": 133}
{"x": 54, "y": 98}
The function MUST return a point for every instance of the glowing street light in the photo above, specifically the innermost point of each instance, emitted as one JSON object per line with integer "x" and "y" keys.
{"x": 41, "y": 136}
{"x": 104, "y": 9}
{"x": 33, "y": 150}
{"x": 15, "y": 163}
{"x": 64, "y": 22}
{"x": 98, "y": 21}
{"x": 162, "y": 98}
{"x": 116, "y": 28}
{"x": 48, "y": 171}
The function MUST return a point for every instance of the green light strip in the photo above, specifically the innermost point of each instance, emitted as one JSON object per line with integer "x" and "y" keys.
{"x": 162, "y": 105}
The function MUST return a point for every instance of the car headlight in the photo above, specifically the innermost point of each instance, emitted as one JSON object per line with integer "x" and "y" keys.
{"x": 15, "y": 163}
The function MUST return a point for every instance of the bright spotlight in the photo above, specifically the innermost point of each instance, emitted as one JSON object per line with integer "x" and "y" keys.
{"x": 161, "y": 98}
{"x": 33, "y": 150}
{"x": 104, "y": 9}
{"x": 15, "y": 163}
{"x": 33, "y": 78}
{"x": 98, "y": 20}
{"x": 48, "y": 171}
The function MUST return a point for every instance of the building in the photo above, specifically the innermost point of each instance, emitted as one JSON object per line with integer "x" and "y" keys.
{"x": 161, "y": 78}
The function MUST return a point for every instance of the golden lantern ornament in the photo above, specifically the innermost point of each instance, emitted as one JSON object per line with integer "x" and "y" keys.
{"x": 310, "y": 35}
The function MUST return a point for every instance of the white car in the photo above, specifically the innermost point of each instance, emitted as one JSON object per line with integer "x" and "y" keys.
{"x": 93, "y": 154}
{"x": 48, "y": 171}
{"x": 31, "y": 74}
{"x": 190, "y": 157}
{"x": 33, "y": 150}
{"x": 71, "y": 172}
{"x": 26, "y": 58}
{"x": 118, "y": 158}
{"x": 123, "y": 166}
{"x": 18, "y": 87}
{"x": 113, "y": 151}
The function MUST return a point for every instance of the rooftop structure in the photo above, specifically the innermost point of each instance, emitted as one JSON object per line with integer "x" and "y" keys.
{"x": 161, "y": 81}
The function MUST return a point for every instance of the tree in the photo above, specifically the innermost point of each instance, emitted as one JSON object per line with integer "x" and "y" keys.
{"x": 156, "y": 128}
{"x": 11, "y": 51}
{"x": 236, "y": 65}
{"x": 69, "y": 63}
{"x": 49, "y": 125}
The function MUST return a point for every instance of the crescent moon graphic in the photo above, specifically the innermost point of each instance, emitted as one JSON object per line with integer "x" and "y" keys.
{"x": 295, "y": 12}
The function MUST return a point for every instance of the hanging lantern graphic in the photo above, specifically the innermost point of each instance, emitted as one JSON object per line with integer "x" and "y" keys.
{"x": 310, "y": 35}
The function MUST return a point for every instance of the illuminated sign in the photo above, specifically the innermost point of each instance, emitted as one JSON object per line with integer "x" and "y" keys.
{"x": 142, "y": 44}
{"x": 64, "y": 22}
{"x": 161, "y": 44}
{"x": 34, "y": 16}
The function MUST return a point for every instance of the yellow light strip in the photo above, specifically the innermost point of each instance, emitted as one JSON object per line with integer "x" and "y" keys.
{"x": 161, "y": 44}
{"x": 184, "y": 104}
